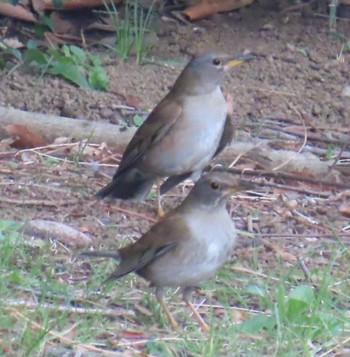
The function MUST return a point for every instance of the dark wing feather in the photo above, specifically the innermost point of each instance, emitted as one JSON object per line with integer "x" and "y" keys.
{"x": 158, "y": 123}
{"x": 158, "y": 241}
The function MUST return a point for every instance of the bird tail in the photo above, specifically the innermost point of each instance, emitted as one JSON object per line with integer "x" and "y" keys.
{"x": 102, "y": 254}
{"x": 105, "y": 254}
{"x": 127, "y": 186}
{"x": 123, "y": 268}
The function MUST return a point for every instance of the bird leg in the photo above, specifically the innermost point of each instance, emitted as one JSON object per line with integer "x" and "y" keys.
{"x": 160, "y": 210}
{"x": 187, "y": 299}
{"x": 159, "y": 296}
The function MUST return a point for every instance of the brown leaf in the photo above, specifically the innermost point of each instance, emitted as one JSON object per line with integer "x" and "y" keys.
{"x": 132, "y": 334}
{"x": 287, "y": 256}
{"x": 205, "y": 8}
{"x": 132, "y": 101}
{"x": 19, "y": 11}
{"x": 25, "y": 138}
{"x": 344, "y": 208}
{"x": 238, "y": 316}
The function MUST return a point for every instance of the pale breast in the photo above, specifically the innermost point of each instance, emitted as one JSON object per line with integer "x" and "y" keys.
{"x": 194, "y": 138}
{"x": 199, "y": 258}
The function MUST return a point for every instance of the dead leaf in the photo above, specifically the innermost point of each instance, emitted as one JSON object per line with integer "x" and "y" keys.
{"x": 288, "y": 257}
{"x": 61, "y": 25}
{"x": 14, "y": 42}
{"x": 344, "y": 208}
{"x": 132, "y": 101}
{"x": 205, "y": 8}
{"x": 25, "y": 138}
{"x": 131, "y": 334}
{"x": 238, "y": 316}
{"x": 5, "y": 144}
{"x": 17, "y": 11}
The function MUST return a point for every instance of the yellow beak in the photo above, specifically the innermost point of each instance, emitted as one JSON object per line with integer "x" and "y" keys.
{"x": 240, "y": 59}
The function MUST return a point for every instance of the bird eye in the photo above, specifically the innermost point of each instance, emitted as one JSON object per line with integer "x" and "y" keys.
{"x": 214, "y": 185}
{"x": 216, "y": 61}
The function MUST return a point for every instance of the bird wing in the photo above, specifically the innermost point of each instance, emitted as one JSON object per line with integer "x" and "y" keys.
{"x": 158, "y": 123}
{"x": 158, "y": 241}
{"x": 226, "y": 137}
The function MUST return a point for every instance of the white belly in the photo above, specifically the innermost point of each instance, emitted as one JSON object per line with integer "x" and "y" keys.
{"x": 210, "y": 249}
{"x": 194, "y": 137}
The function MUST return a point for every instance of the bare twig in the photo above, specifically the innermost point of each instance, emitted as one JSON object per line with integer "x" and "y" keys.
{"x": 66, "y": 308}
{"x": 304, "y": 268}
{"x": 20, "y": 202}
{"x": 283, "y": 175}
{"x": 304, "y": 141}
{"x": 337, "y": 158}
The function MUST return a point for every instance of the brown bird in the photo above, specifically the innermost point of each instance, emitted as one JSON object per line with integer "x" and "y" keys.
{"x": 182, "y": 134}
{"x": 188, "y": 245}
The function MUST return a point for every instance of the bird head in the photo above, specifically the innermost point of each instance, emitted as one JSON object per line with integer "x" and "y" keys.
{"x": 212, "y": 189}
{"x": 206, "y": 71}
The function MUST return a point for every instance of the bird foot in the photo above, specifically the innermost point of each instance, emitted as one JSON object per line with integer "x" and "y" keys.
{"x": 204, "y": 327}
{"x": 160, "y": 211}
{"x": 170, "y": 319}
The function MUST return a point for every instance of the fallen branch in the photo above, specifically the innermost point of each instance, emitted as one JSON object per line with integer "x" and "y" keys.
{"x": 282, "y": 175}
{"x": 48, "y": 203}
{"x": 52, "y": 127}
{"x": 31, "y": 305}
{"x": 61, "y": 232}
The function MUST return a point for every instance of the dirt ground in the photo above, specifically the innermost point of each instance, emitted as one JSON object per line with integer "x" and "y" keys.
{"x": 299, "y": 70}
{"x": 297, "y": 64}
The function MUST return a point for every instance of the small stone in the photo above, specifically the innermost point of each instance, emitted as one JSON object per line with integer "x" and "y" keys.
{"x": 267, "y": 27}
{"x": 290, "y": 47}
{"x": 316, "y": 109}
{"x": 106, "y": 113}
{"x": 346, "y": 91}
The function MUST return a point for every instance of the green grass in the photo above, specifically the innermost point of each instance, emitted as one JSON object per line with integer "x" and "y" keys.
{"x": 270, "y": 309}
{"x": 131, "y": 29}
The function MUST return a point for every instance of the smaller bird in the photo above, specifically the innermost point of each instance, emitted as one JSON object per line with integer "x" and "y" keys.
{"x": 186, "y": 246}
{"x": 181, "y": 135}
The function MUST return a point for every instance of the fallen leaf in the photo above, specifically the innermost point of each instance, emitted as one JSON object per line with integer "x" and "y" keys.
{"x": 132, "y": 101}
{"x": 238, "y": 316}
{"x": 25, "y": 138}
{"x": 17, "y": 11}
{"x": 288, "y": 257}
{"x": 14, "y": 42}
{"x": 344, "y": 208}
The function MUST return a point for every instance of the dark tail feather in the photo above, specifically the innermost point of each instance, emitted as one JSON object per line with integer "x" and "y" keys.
{"x": 125, "y": 188}
{"x": 102, "y": 254}
{"x": 173, "y": 181}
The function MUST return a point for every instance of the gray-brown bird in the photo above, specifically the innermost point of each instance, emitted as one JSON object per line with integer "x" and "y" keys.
{"x": 182, "y": 134}
{"x": 188, "y": 245}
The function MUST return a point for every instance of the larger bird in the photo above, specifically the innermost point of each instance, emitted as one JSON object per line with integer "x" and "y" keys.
{"x": 188, "y": 245}
{"x": 182, "y": 134}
